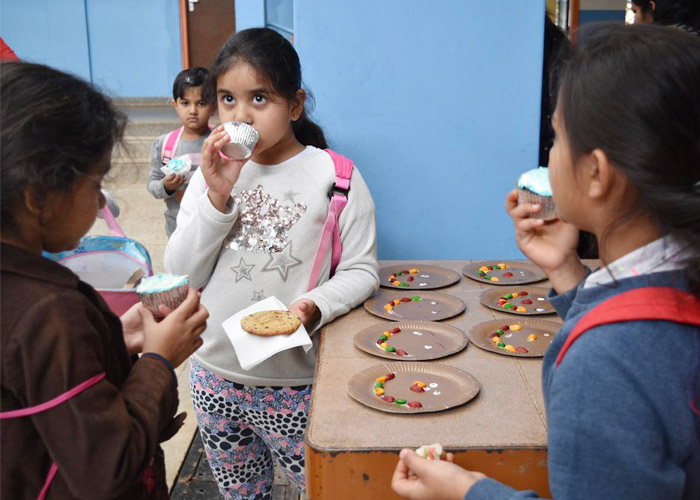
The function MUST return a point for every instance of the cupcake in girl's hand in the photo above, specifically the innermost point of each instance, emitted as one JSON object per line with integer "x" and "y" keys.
{"x": 243, "y": 140}
{"x": 166, "y": 289}
{"x": 534, "y": 187}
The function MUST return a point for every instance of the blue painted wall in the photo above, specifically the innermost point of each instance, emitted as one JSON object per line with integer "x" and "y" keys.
{"x": 249, "y": 14}
{"x": 130, "y": 48}
{"x": 438, "y": 104}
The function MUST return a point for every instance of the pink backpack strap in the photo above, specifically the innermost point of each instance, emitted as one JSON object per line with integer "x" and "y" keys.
{"x": 111, "y": 221}
{"x": 170, "y": 144}
{"x": 640, "y": 304}
{"x": 33, "y": 410}
{"x": 331, "y": 229}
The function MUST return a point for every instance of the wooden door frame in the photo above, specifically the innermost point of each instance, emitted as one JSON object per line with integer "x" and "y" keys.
{"x": 184, "y": 37}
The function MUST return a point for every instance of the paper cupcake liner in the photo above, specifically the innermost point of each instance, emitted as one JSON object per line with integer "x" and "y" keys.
{"x": 243, "y": 140}
{"x": 169, "y": 298}
{"x": 548, "y": 212}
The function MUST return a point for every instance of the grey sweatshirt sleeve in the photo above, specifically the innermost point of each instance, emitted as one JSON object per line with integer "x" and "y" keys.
{"x": 194, "y": 247}
{"x": 357, "y": 275}
{"x": 155, "y": 176}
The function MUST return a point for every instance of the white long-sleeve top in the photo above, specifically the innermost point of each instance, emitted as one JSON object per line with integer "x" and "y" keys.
{"x": 265, "y": 245}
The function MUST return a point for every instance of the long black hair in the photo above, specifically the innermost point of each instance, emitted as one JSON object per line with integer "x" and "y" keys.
{"x": 685, "y": 13}
{"x": 634, "y": 93}
{"x": 55, "y": 128}
{"x": 275, "y": 61}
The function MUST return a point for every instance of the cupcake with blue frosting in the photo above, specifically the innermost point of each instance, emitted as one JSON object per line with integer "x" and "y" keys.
{"x": 534, "y": 187}
{"x": 166, "y": 289}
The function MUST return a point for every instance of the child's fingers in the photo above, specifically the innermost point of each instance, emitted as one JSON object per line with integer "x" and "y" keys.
{"x": 188, "y": 306}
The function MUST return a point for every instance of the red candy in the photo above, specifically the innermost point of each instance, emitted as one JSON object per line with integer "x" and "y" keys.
{"x": 505, "y": 328}
{"x": 410, "y": 278}
{"x": 399, "y": 352}
{"x": 414, "y": 404}
{"x": 417, "y": 388}
{"x": 406, "y": 299}
{"x": 405, "y": 271}
{"x": 508, "y": 274}
{"x": 388, "y": 399}
{"x": 526, "y": 301}
{"x": 395, "y": 330}
{"x": 494, "y": 334}
{"x": 521, "y": 350}
{"x": 380, "y": 341}
{"x": 523, "y": 294}
{"x": 390, "y": 376}
{"x": 490, "y": 268}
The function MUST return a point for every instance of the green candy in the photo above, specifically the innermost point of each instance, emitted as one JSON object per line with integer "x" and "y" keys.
{"x": 383, "y": 337}
{"x": 390, "y": 349}
{"x": 400, "y": 401}
{"x": 509, "y": 296}
{"x": 416, "y": 298}
{"x": 399, "y": 274}
{"x": 496, "y": 268}
{"x": 403, "y": 284}
{"x": 501, "y": 344}
{"x": 378, "y": 385}
{"x": 508, "y": 306}
{"x": 499, "y": 331}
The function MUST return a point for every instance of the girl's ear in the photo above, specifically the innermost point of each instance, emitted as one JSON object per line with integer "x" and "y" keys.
{"x": 297, "y": 104}
{"x": 600, "y": 174}
{"x": 34, "y": 201}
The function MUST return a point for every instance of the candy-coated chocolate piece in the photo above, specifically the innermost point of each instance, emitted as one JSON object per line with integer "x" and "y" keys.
{"x": 400, "y": 401}
{"x": 381, "y": 379}
{"x": 501, "y": 344}
{"x": 490, "y": 268}
{"x": 509, "y": 296}
{"x": 388, "y": 399}
{"x": 383, "y": 345}
{"x": 516, "y": 328}
{"x": 415, "y": 404}
{"x": 379, "y": 341}
{"x": 503, "y": 266}
{"x": 483, "y": 269}
{"x": 405, "y": 271}
{"x": 420, "y": 383}
{"x": 413, "y": 271}
{"x": 379, "y": 391}
{"x": 410, "y": 278}
{"x": 396, "y": 283}
{"x": 494, "y": 334}
{"x": 383, "y": 337}
{"x": 389, "y": 307}
{"x": 378, "y": 384}
{"x": 416, "y": 298}
{"x": 521, "y": 350}
{"x": 496, "y": 339}
{"x": 532, "y": 337}
{"x": 494, "y": 279}
{"x": 406, "y": 299}
{"x": 505, "y": 328}
{"x": 526, "y": 301}
{"x": 500, "y": 332}
{"x": 390, "y": 349}
{"x": 508, "y": 274}
{"x": 404, "y": 285}
{"x": 509, "y": 348}
{"x": 397, "y": 302}
{"x": 400, "y": 352}
{"x": 523, "y": 294}
{"x": 496, "y": 268}
{"x": 515, "y": 295}
{"x": 417, "y": 388}
{"x": 395, "y": 330}
{"x": 390, "y": 376}
{"x": 521, "y": 310}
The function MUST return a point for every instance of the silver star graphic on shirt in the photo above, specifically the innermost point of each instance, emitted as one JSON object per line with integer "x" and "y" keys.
{"x": 258, "y": 296}
{"x": 282, "y": 261}
{"x": 289, "y": 196}
{"x": 242, "y": 270}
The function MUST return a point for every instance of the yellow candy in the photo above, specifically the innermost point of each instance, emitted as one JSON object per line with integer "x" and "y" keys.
{"x": 509, "y": 348}
{"x": 516, "y": 328}
{"x": 379, "y": 391}
{"x": 388, "y": 334}
{"x": 496, "y": 339}
{"x": 532, "y": 337}
{"x": 381, "y": 379}
{"x": 383, "y": 345}
{"x": 397, "y": 302}
{"x": 413, "y": 271}
{"x": 418, "y": 382}
{"x": 389, "y": 307}
{"x": 521, "y": 309}
{"x": 483, "y": 268}
{"x": 396, "y": 282}
{"x": 503, "y": 266}
{"x": 514, "y": 294}
{"x": 493, "y": 278}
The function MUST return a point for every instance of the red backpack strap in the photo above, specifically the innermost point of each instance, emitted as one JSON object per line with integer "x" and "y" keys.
{"x": 640, "y": 304}
{"x": 170, "y": 144}
{"x": 331, "y": 229}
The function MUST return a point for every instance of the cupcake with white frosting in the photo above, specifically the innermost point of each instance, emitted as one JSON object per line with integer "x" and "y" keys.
{"x": 166, "y": 289}
{"x": 534, "y": 187}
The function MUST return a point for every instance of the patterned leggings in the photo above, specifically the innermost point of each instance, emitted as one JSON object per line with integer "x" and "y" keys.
{"x": 243, "y": 428}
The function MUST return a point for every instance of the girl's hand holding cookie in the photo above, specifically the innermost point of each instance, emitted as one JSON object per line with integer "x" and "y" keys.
{"x": 550, "y": 245}
{"x": 307, "y": 311}
{"x": 178, "y": 335}
{"x": 419, "y": 479}
{"x": 220, "y": 173}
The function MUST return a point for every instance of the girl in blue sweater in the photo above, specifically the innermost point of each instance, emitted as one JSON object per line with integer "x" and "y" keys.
{"x": 623, "y": 399}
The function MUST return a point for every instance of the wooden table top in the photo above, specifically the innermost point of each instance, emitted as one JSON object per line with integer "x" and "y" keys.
{"x": 508, "y": 412}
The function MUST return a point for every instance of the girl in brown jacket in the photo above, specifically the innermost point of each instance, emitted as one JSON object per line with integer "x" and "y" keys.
{"x": 58, "y": 335}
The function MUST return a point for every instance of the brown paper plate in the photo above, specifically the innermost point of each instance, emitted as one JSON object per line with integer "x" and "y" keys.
{"x": 536, "y": 295}
{"x": 447, "y": 387}
{"x": 523, "y": 272}
{"x": 545, "y": 331}
{"x": 426, "y": 277}
{"x": 432, "y": 306}
{"x": 419, "y": 340}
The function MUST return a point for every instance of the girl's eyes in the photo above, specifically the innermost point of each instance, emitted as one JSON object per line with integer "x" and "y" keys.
{"x": 228, "y": 99}
{"x": 259, "y": 99}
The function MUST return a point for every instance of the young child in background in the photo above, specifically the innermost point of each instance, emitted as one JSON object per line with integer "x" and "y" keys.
{"x": 250, "y": 230}
{"x": 60, "y": 342}
{"x": 184, "y": 143}
{"x": 622, "y": 400}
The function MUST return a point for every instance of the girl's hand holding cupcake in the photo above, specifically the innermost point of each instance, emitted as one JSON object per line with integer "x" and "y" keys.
{"x": 220, "y": 173}
{"x": 178, "y": 335}
{"x": 551, "y": 245}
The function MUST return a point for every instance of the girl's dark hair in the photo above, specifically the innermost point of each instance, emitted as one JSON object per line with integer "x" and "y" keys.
{"x": 276, "y": 62}
{"x": 669, "y": 12}
{"x": 192, "y": 77}
{"x": 634, "y": 93}
{"x": 55, "y": 128}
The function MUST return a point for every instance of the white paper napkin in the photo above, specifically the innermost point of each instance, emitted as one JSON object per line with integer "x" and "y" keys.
{"x": 254, "y": 349}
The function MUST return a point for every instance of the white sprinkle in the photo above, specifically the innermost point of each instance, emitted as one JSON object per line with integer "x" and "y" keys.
{"x": 417, "y": 333}
{"x": 508, "y": 335}
{"x": 437, "y": 393}
{"x": 433, "y": 385}
{"x": 546, "y": 334}
{"x": 428, "y": 347}
{"x": 539, "y": 309}
{"x": 434, "y": 312}
{"x": 541, "y": 299}
{"x": 425, "y": 276}
{"x": 433, "y": 303}
{"x": 422, "y": 284}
